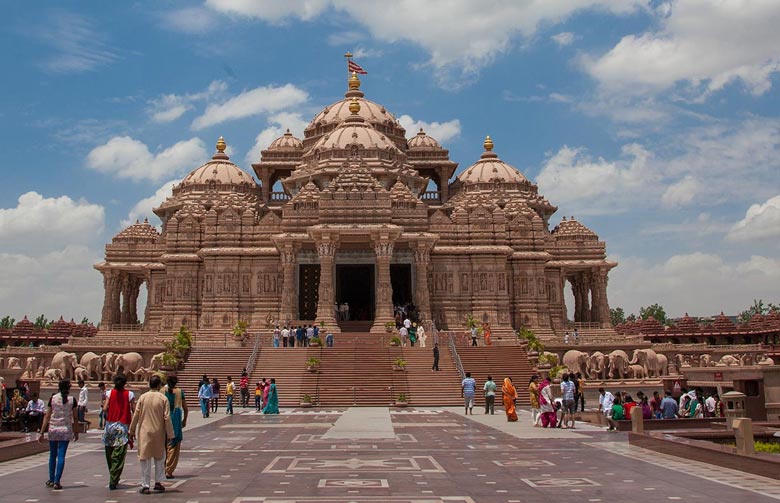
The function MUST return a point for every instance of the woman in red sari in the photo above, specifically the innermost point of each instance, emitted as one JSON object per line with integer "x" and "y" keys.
{"x": 510, "y": 396}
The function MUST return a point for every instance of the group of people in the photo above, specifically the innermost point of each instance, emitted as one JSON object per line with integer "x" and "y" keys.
{"x": 691, "y": 404}
{"x": 474, "y": 334}
{"x": 341, "y": 310}
{"x": 302, "y": 334}
{"x": 412, "y": 333}
{"x": 266, "y": 396}
{"x": 508, "y": 391}
{"x": 28, "y": 408}
{"x": 154, "y": 422}
{"x": 550, "y": 412}
{"x": 573, "y": 337}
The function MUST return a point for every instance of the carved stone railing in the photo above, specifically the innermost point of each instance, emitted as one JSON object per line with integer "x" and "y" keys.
{"x": 455, "y": 356}
{"x": 431, "y": 195}
{"x": 250, "y": 364}
{"x": 279, "y": 197}
{"x": 128, "y": 340}
{"x": 122, "y": 327}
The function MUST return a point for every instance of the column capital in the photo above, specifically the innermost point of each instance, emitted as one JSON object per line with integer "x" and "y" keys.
{"x": 326, "y": 249}
{"x": 383, "y": 248}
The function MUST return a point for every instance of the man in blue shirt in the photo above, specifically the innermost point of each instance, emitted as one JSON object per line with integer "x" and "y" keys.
{"x": 669, "y": 406}
{"x": 468, "y": 387}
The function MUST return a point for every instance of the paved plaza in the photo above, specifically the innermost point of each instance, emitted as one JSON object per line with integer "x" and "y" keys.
{"x": 362, "y": 455}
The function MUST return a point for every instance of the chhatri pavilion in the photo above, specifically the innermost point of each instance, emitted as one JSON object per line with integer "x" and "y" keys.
{"x": 355, "y": 213}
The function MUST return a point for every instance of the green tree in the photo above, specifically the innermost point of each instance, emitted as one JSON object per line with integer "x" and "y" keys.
{"x": 617, "y": 316}
{"x": 7, "y": 322}
{"x": 631, "y": 317}
{"x": 655, "y": 311}
{"x": 41, "y": 322}
{"x": 758, "y": 307}
{"x": 85, "y": 321}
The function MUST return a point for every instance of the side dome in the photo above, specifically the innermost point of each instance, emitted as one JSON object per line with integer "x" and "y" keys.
{"x": 489, "y": 168}
{"x": 573, "y": 230}
{"x": 286, "y": 142}
{"x": 219, "y": 170}
{"x": 422, "y": 141}
{"x": 139, "y": 232}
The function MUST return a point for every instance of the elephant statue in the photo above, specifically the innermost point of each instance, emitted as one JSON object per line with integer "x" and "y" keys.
{"x": 40, "y": 372}
{"x": 66, "y": 362}
{"x": 31, "y": 367}
{"x": 53, "y": 375}
{"x": 765, "y": 360}
{"x": 618, "y": 364}
{"x": 727, "y": 361}
{"x": 705, "y": 360}
{"x": 81, "y": 373}
{"x": 549, "y": 357}
{"x": 636, "y": 371}
{"x": 663, "y": 365}
{"x": 13, "y": 363}
{"x": 597, "y": 365}
{"x": 107, "y": 365}
{"x": 128, "y": 363}
{"x": 156, "y": 361}
{"x": 576, "y": 361}
{"x": 91, "y": 362}
{"x": 648, "y": 359}
{"x": 142, "y": 374}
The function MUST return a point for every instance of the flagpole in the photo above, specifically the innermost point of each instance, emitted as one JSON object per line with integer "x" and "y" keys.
{"x": 348, "y": 55}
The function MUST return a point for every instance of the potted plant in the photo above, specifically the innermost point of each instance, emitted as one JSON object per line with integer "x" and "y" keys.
{"x": 315, "y": 342}
{"x": 169, "y": 361}
{"x": 395, "y": 341}
{"x": 389, "y": 326}
{"x": 402, "y": 400}
{"x": 313, "y": 364}
{"x": 399, "y": 364}
{"x": 306, "y": 401}
{"x": 240, "y": 332}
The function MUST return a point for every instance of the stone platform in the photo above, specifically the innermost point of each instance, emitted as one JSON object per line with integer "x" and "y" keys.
{"x": 414, "y": 456}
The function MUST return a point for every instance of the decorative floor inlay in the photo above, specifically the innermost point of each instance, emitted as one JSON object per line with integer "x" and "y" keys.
{"x": 354, "y": 483}
{"x": 561, "y": 482}
{"x": 305, "y": 438}
{"x": 524, "y": 462}
{"x": 356, "y": 499}
{"x": 288, "y": 464}
{"x": 507, "y": 447}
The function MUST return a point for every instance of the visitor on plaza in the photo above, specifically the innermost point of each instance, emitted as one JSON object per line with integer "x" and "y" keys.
{"x": 655, "y": 405}
{"x": 669, "y": 406}
{"x": 489, "y": 391}
{"x": 276, "y": 336}
{"x": 547, "y": 405}
{"x": 151, "y": 425}
{"x": 329, "y": 339}
{"x": 413, "y": 334}
{"x": 467, "y": 389}
{"x": 435, "y": 366}
{"x": 421, "y": 335}
{"x": 177, "y": 408}
{"x": 215, "y": 390}
{"x": 259, "y": 396}
{"x": 486, "y": 331}
{"x": 566, "y": 337}
{"x": 230, "y": 389}
{"x": 576, "y": 336}
{"x": 119, "y": 406}
{"x": 567, "y": 400}
{"x": 243, "y": 386}
{"x": 404, "y": 333}
{"x": 272, "y": 407}
{"x": 509, "y": 399}
{"x": 16, "y": 405}
{"x": 61, "y": 424}
{"x": 579, "y": 392}
{"x": 606, "y": 399}
{"x": 628, "y": 404}
{"x": 309, "y": 335}
{"x": 266, "y": 391}
{"x": 83, "y": 401}
{"x": 316, "y": 331}
{"x": 616, "y": 413}
{"x": 533, "y": 395}
{"x": 204, "y": 395}
{"x": 32, "y": 415}
{"x": 474, "y": 334}
{"x": 291, "y": 337}
{"x": 101, "y": 412}
{"x": 644, "y": 405}
{"x": 285, "y": 333}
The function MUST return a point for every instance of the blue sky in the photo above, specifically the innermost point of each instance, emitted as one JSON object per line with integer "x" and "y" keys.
{"x": 654, "y": 123}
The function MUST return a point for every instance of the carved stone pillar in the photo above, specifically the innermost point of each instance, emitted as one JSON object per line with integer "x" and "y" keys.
{"x": 265, "y": 190}
{"x": 576, "y": 291}
{"x": 595, "y": 293}
{"x": 288, "y": 309}
{"x": 601, "y": 286}
{"x": 422, "y": 259}
{"x": 585, "y": 295}
{"x": 109, "y": 284}
{"x": 127, "y": 290}
{"x": 384, "y": 288}
{"x": 326, "y": 250}
{"x": 135, "y": 290}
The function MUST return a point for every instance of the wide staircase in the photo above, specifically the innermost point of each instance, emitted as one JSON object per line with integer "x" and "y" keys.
{"x": 498, "y": 362}
{"x": 288, "y": 367}
{"x": 214, "y": 362}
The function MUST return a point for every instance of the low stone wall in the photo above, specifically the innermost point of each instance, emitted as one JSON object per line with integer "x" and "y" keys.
{"x": 19, "y": 445}
{"x": 676, "y": 424}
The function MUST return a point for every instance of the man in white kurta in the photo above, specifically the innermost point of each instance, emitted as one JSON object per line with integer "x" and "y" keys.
{"x": 151, "y": 426}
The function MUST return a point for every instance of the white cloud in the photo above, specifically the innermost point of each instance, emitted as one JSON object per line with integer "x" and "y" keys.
{"x": 265, "y": 99}
{"x": 143, "y": 208}
{"x": 702, "y": 225}
{"x": 364, "y": 53}
{"x": 271, "y": 10}
{"x": 193, "y": 20}
{"x": 440, "y": 131}
{"x": 43, "y": 223}
{"x": 680, "y": 193}
{"x": 702, "y": 44}
{"x": 125, "y": 157}
{"x": 170, "y": 107}
{"x": 563, "y": 39}
{"x": 698, "y": 283}
{"x": 279, "y": 123}
{"x": 762, "y": 221}
{"x": 78, "y": 46}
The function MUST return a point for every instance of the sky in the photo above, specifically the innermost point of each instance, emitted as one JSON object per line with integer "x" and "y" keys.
{"x": 655, "y": 123}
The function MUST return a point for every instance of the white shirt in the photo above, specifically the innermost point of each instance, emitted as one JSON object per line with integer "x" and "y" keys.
{"x": 606, "y": 400}
{"x": 285, "y": 333}
{"x": 36, "y": 406}
{"x": 83, "y": 397}
{"x": 710, "y": 403}
{"x": 407, "y": 323}
{"x": 403, "y": 332}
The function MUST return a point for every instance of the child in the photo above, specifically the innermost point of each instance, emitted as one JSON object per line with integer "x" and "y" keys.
{"x": 616, "y": 414}
{"x": 258, "y": 396}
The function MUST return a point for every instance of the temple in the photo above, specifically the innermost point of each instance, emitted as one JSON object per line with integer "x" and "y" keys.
{"x": 355, "y": 213}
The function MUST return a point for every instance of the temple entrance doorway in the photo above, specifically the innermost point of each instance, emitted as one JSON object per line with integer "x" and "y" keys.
{"x": 308, "y": 291}
{"x": 401, "y": 279}
{"x": 355, "y": 286}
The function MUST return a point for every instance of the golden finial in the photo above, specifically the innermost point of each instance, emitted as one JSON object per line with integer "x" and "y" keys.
{"x": 354, "y": 82}
{"x": 348, "y": 55}
{"x": 488, "y": 144}
{"x": 354, "y": 106}
{"x": 221, "y": 145}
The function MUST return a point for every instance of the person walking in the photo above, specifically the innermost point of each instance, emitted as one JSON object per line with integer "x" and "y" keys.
{"x": 546, "y": 405}
{"x": 435, "y": 366}
{"x": 266, "y": 391}
{"x": 230, "y": 390}
{"x": 533, "y": 394}
{"x": 119, "y": 410}
{"x": 83, "y": 401}
{"x": 413, "y": 334}
{"x": 421, "y": 336}
{"x": 179, "y": 412}
{"x": 284, "y": 335}
{"x": 204, "y": 395}
{"x": 272, "y": 407}
{"x": 489, "y": 389}
{"x": 474, "y": 334}
{"x": 467, "y": 388}
{"x": 329, "y": 339}
{"x": 277, "y": 335}
{"x": 61, "y": 422}
{"x": 259, "y": 396}
{"x": 243, "y": 386}
{"x": 152, "y": 423}
{"x": 568, "y": 403}
{"x": 403, "y": 332}
{"x": 101, "y": 413}
{"x": 580, "y": 392}
{"x": 509, "y": 398}
{"x": 215, "y": 389}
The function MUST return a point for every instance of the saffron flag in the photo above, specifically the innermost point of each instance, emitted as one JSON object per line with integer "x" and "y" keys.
{"x": 354, "y": 67}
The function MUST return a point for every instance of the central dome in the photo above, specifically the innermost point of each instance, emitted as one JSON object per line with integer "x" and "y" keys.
{"x": 218, "y": 170}
{"x": 489, "y": 168}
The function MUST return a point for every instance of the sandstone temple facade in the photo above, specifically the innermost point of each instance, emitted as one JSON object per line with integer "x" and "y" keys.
{"x": 355, "y": 213}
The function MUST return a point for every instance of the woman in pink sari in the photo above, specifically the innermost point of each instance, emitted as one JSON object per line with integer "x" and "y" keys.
{"x": 546, "y": 405}
{"x": 266, "y": 388}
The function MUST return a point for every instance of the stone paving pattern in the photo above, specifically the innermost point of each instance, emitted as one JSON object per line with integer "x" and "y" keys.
{"x": 435, "y": 456}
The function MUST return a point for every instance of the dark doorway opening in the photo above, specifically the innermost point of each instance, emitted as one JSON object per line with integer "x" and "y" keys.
{"x": 308, "y": 291}
{"x": 401, "y": 279}
{"x": 355, "y": 286}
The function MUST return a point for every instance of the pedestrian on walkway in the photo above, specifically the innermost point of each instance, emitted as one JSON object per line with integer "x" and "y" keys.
{"x": 547, "y": 405}
{"x": 435, "y": 357}
{"x": 258, "y": 396}
{"x": 329, "y": 339}
{"x": 291, "y": 337}
{"x": 421, "y": 336}
{"x": 215, "y": 389}
{"x": 62, "y": 424}
{"x": 230, "y": 390}
{"x": 533, "y": 394}
{"x": 509, "y": 398}
{"x": 243, "y": 386}
{"x": 403, "y": 332}
{"x": 273, "y": 399}
{"x": 413, "y": 334}
{"x": 83, "y": 401}
{"x": 119, "y": 407}
{"x": 579, "y": 396}
{"x": 284, "y": 335}
{"x": 474, "y": 334}
{"x": 102, "y": 413}
{"x": 467, "y": 388}
{"x": 489, "y": 389}
{"x": 152, "y": 424}
{"x": 204, "y": 395}
{"x": 266, "y": 391}
{"x": 277, "y": 335}
{"x": 568, "y": 403}
{"x": 177, "y": 407}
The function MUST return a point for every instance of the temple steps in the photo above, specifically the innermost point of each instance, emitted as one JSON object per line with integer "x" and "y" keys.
{"x": 288, "y": 367}
{"x": 499, "y": 362}
{"x": 214, "y": 362}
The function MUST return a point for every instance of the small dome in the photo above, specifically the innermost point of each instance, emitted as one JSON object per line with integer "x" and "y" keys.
{"x": 572, "y": 229}
{"x": 422, "y": 141}
{"x": 286, "y": 142}
{"x": 489, "y": 168}
{"x": 219, "y": 169}
{"x": 138, "y": 232}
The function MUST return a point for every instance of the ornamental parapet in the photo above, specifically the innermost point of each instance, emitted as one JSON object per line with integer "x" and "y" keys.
{"x": 180, "y": 257}
{"x": 471, "y": 249}
{"x": 225, "y": 251}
